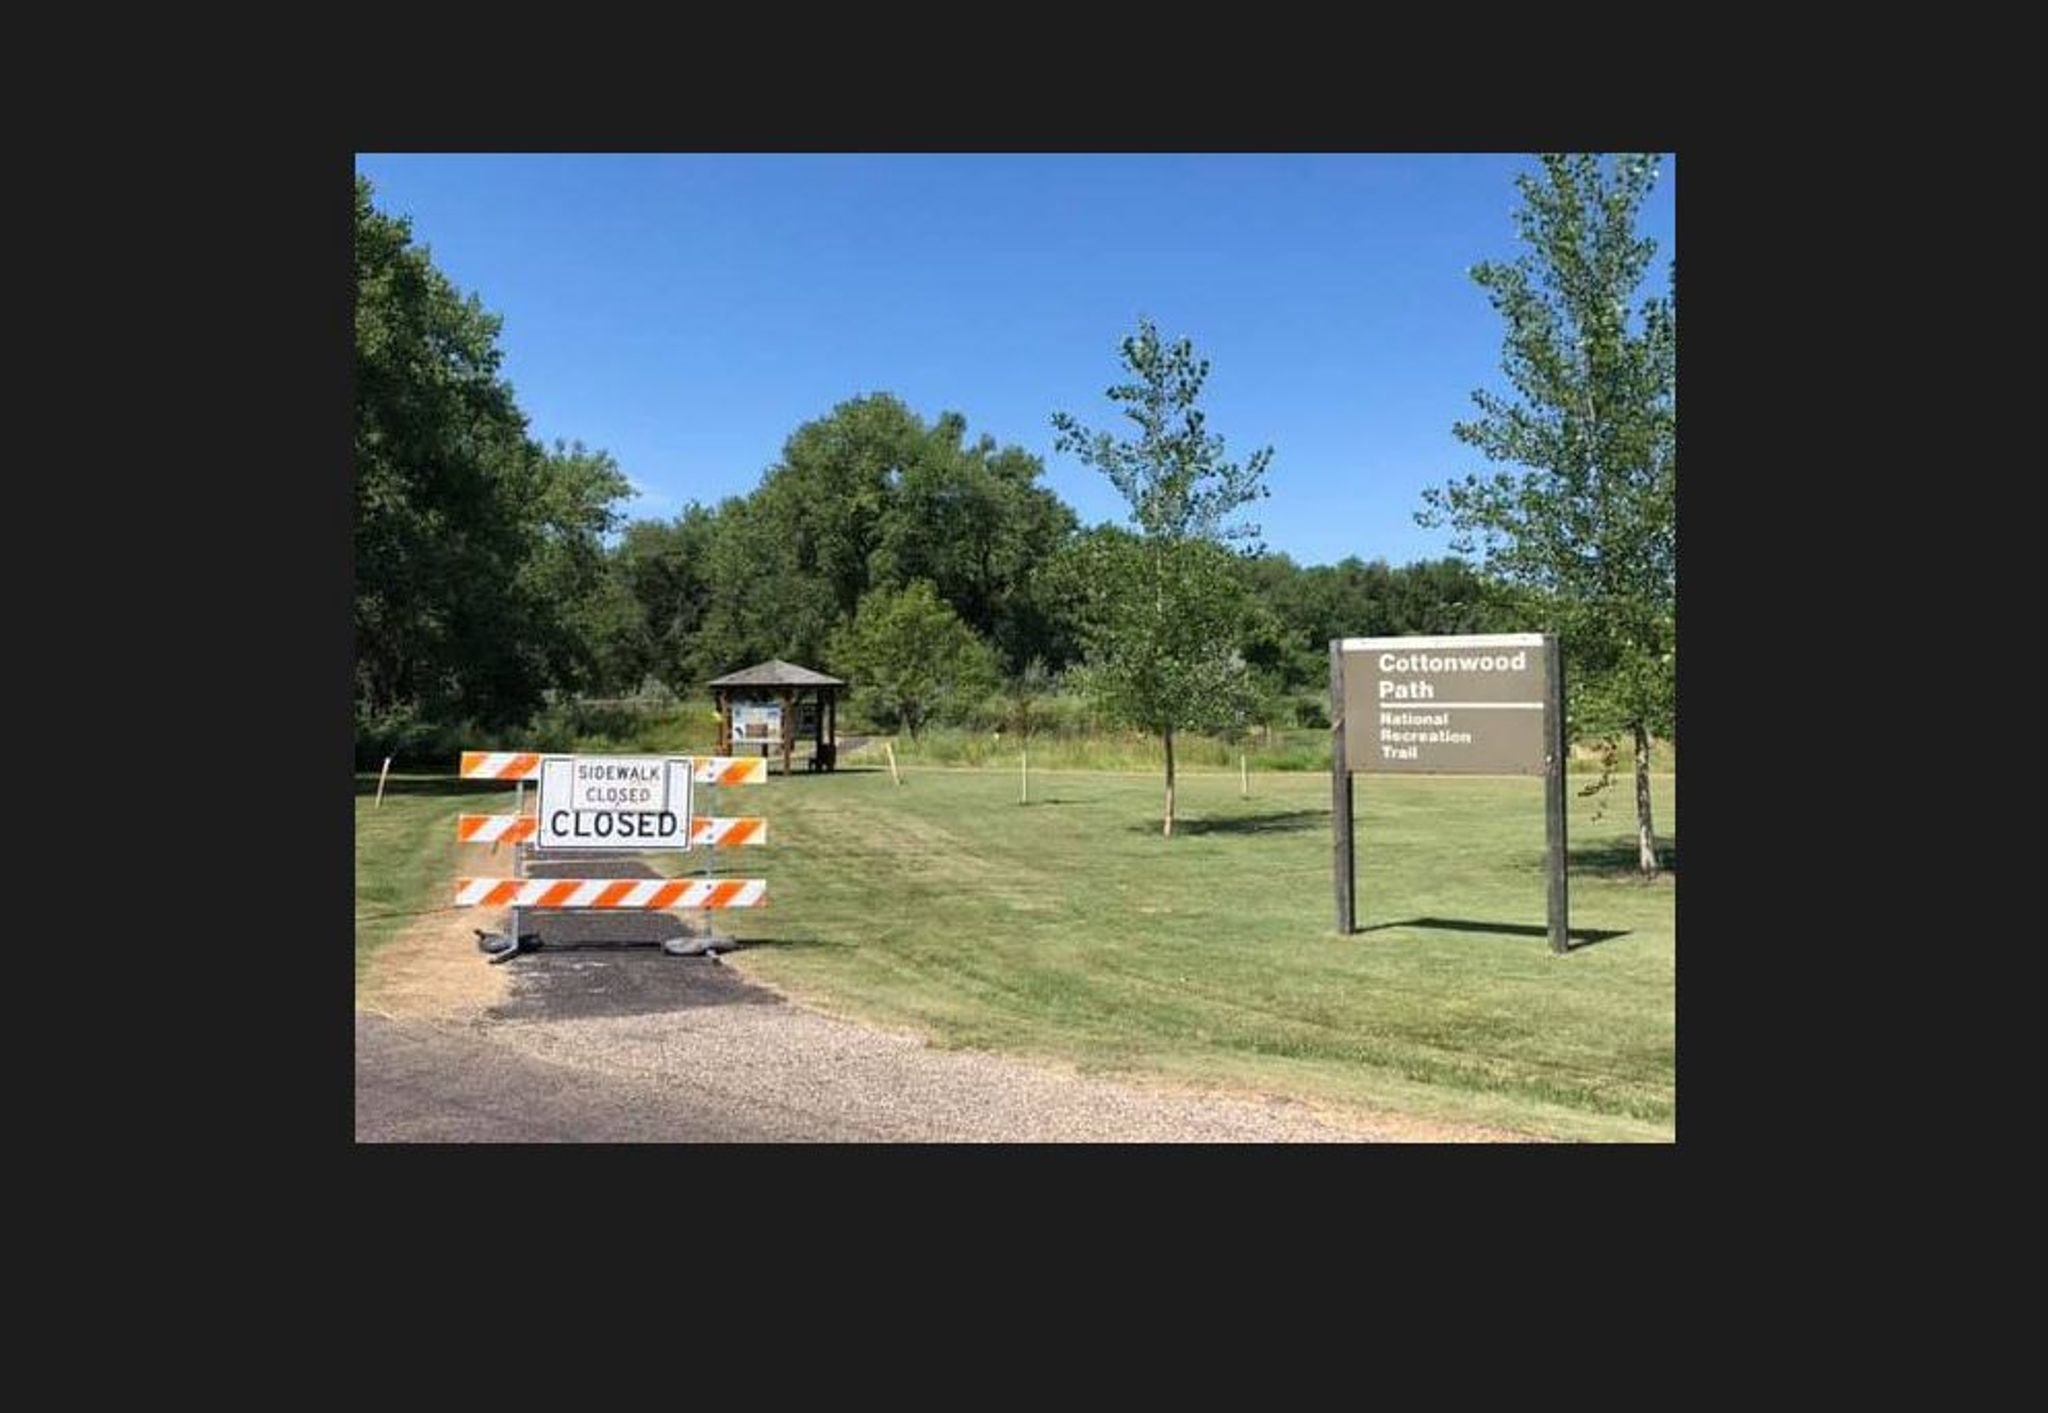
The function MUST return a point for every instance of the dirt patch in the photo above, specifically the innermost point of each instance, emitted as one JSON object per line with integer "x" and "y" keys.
{"x": 433, "y": 970}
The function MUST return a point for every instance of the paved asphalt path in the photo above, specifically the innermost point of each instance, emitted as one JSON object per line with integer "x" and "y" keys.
{"x": 437, "y": 1081}
{"x": 431, "y": 1081}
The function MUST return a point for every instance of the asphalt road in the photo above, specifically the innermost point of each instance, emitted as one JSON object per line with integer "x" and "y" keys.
{"x": 433, "y": 1081}
{"x": 429, "y": 1082}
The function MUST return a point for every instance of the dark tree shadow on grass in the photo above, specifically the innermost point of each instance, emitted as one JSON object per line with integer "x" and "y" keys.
{"x": 784, "y": 944}
{"x": 1285, "y": 822}
{"x": 366, "y": 784}
{"x": 1617, "y": 857}
{"x": 1575, "y": 938}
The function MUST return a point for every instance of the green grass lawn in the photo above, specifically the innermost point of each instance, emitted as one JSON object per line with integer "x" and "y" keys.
{"x": 406, "y": 849}
{"x": 1068, "y": 928}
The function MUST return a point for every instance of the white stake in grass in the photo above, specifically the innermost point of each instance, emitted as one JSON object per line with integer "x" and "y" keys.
{"x": 890, "y": 747}
{"x": 1244, "y": 781}
{"x": 380, "y": 783}
{"x": 1024, "y": 777}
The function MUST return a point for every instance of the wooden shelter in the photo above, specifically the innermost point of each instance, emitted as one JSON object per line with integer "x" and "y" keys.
{"x": 784, "y": 682}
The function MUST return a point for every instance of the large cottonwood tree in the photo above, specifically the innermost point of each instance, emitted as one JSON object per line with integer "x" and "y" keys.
{"x": 478, "y": 552}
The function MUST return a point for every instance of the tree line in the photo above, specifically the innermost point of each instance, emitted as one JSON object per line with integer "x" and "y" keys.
{"x": 481, "y": 576}
{"x": 495, "y": 575}
{"x": 878, "y": 539}
{"x": 929, "y": 566}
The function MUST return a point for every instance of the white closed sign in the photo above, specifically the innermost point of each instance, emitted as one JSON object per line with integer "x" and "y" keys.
{"x": 615, "y": 802}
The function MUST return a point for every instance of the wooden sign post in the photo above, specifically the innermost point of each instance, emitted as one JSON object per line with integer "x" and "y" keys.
{"x": 1559, "y": 911}
{"x": 1346, "y": 861}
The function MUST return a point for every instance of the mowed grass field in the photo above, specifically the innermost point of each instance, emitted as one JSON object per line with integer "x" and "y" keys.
{"x": 406, "y": 850}
{"x": 1068, "y": 929}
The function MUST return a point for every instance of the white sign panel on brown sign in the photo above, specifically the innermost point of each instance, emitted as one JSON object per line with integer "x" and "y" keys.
{"x": 1469, "y": 704}
{"x": 615, "y": 802}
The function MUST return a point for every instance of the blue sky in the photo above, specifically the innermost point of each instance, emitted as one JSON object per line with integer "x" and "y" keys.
{"x": 687, "y": 313}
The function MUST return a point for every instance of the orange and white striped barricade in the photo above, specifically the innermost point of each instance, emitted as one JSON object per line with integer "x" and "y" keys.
{"x": 518, "y": 767}
{"x": 706, "y": 831}
{"x": 637, "y": 894}
{"x": 630, "y": 803}
{"x": 526, "y": 765}
{"x": 736, "y": 832}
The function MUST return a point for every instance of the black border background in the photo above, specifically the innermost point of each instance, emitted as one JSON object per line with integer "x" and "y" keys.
{"x": 259, "y": 669}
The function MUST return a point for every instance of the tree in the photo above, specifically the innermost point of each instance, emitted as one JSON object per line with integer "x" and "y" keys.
{"x": 433, "y": 428}
{"x": 565, "y": 497}
{"x": 1586, "y": 531}
{"x": 826, "y": 500}
{"x": 612, "y": 625}
{"x": 476, "y": 550}
{"x": 757, "y": 604}
{"x": 910, "y": 658}
{"x": 1023, "y": 691}
{"x": 973, "y": 521}
{"x": 1310, "y": 606}
{"x": 871, "y": 497}
{"x": 666, "y": 566}
{"x": 1164, "y": 608}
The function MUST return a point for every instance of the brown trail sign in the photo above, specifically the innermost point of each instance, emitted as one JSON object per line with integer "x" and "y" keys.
{"x": 1468, "y": 704}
